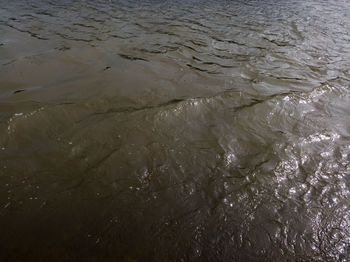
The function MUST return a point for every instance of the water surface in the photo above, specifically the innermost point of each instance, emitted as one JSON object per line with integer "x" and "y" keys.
{"x": 174, "y": 130}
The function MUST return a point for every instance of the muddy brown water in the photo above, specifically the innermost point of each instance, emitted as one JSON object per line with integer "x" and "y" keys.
{"x": 174, "y": 130}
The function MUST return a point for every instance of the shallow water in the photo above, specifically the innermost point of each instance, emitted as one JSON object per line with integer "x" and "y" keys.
{"x": 174, "y": 130}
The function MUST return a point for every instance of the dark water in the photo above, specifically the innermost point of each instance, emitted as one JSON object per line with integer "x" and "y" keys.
{"x": 174, "y": 130}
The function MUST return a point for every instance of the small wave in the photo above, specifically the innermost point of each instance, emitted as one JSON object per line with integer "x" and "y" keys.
{"x": 132, "y": 58}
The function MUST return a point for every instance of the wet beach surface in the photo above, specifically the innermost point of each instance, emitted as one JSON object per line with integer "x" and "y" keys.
{"x": 174, "y": 130}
